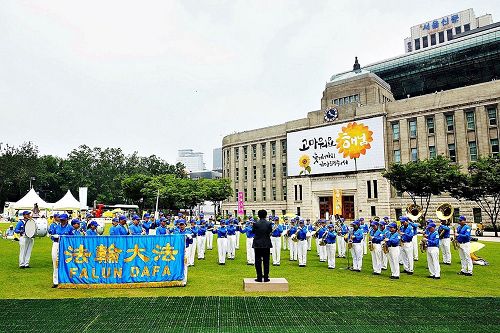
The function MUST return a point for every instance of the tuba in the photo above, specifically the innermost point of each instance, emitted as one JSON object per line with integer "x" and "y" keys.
{"x": 444, "y": 212}
{"x": 413, "y": 212}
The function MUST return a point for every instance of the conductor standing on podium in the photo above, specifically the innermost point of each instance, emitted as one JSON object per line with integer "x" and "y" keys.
{"x": 262, "y": 245}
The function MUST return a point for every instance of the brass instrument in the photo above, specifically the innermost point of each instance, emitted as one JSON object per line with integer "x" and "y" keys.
{"x": 385, "y": 246}
{"x": 444, "y": 212}
{"x": 454, "y": 240}
{"x": 423, "y": 245}
{"x": 414, "y": 212}
{"x": 322, "y": 241}
{"x": 370, "y": 244}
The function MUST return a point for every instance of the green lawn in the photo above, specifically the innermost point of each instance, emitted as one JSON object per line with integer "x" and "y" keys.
{"x": 209, "y": 279}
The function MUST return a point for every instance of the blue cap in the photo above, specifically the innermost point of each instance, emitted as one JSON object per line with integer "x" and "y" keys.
{"x": 393, "y": 225}
{"x": 230, "y": 214}
{"x": 386, "y": 217}
{"x": 330, "y": 225}
{"x": 202, "y": 215}
{"x": 192, "y": 221}
{"x": 147, "y": 215}
{"x": 301, "y": 221}
{"x": 222, "y": 221}
{"x": 429, "y": 221}
{"x": 75, "y": 221}
{"x": 361, "y": 219}
{"x": 461, "y": 218}
{"x": 93, "y": 223}
{"x": 122, "y": 218}
{"x": 374, "y": 223}
{"x": 161, "y": 213}
{"x": 431, "y": 225}
{"x": 179, "y": 214}
{"x": 88, "y": 215}
{"x": 135, "y": 217}
{"x": 63, "y": 216}
{"x": 355, "y": 223}
{"x": 26, "y": 212}
{"x": 56, "y": 215}
{"x": 276, "y": 218}
{"x": 382, "y": 223}
{"x": 203, "y": 221}
{"x": 182, "y": 221}
{"x": 162, "y": 219}
{"x": 403, "y": 219}
{"x": 114, "y": 219}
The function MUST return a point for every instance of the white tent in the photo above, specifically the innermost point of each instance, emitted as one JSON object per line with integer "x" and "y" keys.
{"x": 29, "y": 200}
{"x": 68, "y": 202}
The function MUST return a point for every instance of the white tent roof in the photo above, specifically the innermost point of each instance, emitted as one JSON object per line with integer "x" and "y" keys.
{"x": 68, "y": 202}
{"x": 29, "y": 200}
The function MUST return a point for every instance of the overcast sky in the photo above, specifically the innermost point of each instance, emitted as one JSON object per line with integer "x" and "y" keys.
{"x": 158, "y": 76}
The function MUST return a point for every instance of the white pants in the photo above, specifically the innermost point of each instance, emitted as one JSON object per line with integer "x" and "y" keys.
{"x": 385, "y": 259}
{"x": 444, "y": 246}
{"x": 309, "y": 243}
{"x": 357, "y": 256}
{"x": 231, "y": 246}
{"x": 394, "y": 260}
{"x": 465, "y": 259}
{"x": 377, "y": 258}
{"x": 341, "y": 244}
{"x": 250, "y": 252}
{"x": 293, "y": 249}
{"x": 276, "y": 250}
{"x": 237, "y": 244}
{"x": 330, "y": 254}
{"x": 25, "y": 247}
{"x": 302, "y": 252}
{"x": 365, "y": 243}
{"x": 55, "y": 261}
{"x": 414, "y": 242}
{"x": 317, "y": 246}
{"x": 192, "y": 252}
{"x": 433, "y": 261}
{"x": 322, "y": 253}
{"x": 222, "y": 249}
{"x": 407, "y": 256}
{"x": 201, "y": 240}
{"x": 285, "y": 242}
{"x": 210, "y": 239}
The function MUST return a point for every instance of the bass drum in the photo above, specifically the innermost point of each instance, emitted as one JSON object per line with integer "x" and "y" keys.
{"x": 35, "y": 228}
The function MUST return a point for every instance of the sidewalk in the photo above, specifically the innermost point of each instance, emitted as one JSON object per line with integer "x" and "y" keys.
{"x": 489, "y": 236}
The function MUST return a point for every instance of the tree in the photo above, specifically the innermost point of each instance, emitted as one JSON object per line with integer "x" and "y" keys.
{"x": 133, "y": 185}
{"x": 482, "y": 185}
{"x": 217, "y": 190}
{"x": 422, "y": 179}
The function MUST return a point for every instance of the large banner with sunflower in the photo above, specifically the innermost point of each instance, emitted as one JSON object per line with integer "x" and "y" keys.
{"x": 121, "y": 261}
{"x": 346, "y": 147}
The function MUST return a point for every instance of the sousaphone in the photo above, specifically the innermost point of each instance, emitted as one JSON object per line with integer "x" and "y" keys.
{"x": 444, "y": 212}
{"x": 413, "y": 212}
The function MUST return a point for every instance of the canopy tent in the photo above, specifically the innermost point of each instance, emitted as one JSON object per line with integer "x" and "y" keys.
{"x": 68, "y": 202}
{"x": 29, "y": 201}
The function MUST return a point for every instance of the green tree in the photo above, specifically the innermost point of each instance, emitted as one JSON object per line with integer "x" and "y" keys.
{"x": 133, "y": 185}
{"x": 423, "y": 179}
{"x": 482, "y": 185}
{"x": 216, "y": 191}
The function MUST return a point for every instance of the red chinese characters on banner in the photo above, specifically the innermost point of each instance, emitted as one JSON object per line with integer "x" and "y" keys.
{"x": 241, "y": 203}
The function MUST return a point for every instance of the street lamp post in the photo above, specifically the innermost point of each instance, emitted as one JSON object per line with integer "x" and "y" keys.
{"x": 32, "y": 179}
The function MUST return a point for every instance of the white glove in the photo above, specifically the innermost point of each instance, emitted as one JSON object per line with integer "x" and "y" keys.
{"x": 56, "y": 236}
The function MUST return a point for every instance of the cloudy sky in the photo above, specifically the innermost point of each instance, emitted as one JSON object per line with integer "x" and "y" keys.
{"x": 158, "y": 76}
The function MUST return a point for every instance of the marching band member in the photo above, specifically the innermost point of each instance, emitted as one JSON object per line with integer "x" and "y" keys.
{"x": 357, "y": 247}
{"x": 444, "y": 242}
{"x": 406, "y": 231}
{"x": 291, "y": 244}
{"x": 146, "y": 223}
{"x": 385, "y": 233}
{"x": 463, "y": 238}
{"x": 316, "y": 236}
{"x": 123, "y": 230}
{"x": 193, "y": 231}
{"x": 222, "y": 241}
{"x": 394, "y": 248}
{"x": 322, "y": 248}
{"x": 310, "y": 229}
{"x": 414, "y": 239}
{"x": 84, "y": 223}
{"x": 53, "y": 225}
{"x": 276, "y": 241}
{"x": 75, "y": 223}
{"x": 237, "y": 234}
{"x": 432, "y": 238}
{"x": 91, "y": 228}
{"x": 250, "y": 235}
{"x": 343, "y": 230}
{"x": 201, "y": 240}
{"x": 114, "y": 230}
{"x": 181, "y": 230}
{"x": 231, "y": 239}
{"x": 284, "y": 234}
{"x": 25, "y": 243}
{"x": 162, "y": 229}
{"x": 302, "y": 235}
{"x": 376, "y": 237}
{"x": 330, "y": 239}
{"x": 61, "y": 229}
{"x": 210, "y": 234}
{"x": 365, "y": 228}
{"x": 135, "y": 228}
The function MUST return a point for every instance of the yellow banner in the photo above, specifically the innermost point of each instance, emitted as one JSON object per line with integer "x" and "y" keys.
{"x": 337, "y": 201}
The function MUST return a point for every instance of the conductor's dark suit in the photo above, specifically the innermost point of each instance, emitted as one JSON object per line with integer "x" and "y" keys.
{"x": 262, "y": 247}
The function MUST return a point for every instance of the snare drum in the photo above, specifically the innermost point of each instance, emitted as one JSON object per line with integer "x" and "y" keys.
{"x": 35, "y": 228}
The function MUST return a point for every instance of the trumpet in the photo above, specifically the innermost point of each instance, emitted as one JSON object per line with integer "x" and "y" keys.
{"x": 322, "y": 241}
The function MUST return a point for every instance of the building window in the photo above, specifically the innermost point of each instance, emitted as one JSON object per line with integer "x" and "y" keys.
{"x": 284, "y": 194}
{"x": 399, "y": 212}
{"x": 296, "y": 192}
{"x": 449, "y": 34}
{"x": 254, "y": 194}
{"x": 283, "y": 212}
{"x": 263, "y": 147}
{"x": 433, "y": 39}
{"x": 441, "y": 36}
{"x": 449, "y": 123}
{"x": 245, "y": 195}
{"x": 300, "y": 192}
{"x": 273, "y": 148}
{"x": 274, "y": 193}
{"x": 425, "y": 42}
{"x": 473, "y": 151}
{"x": 494, "y": 147}
{"x": 245, "y": 173}
{"x": 273, "y": 172}
{"x": 432, "y": 151}
{"x": 236, "y": 193}
{"x": 254, "y": 172}
{"x": 412, "y": 124}
{"x": 492, "y": 115}
{"x": 263, "y": 194}
{"x": 417, "y": 44}
{"x": 373, "y": 211}
{"x": 414, "y": 154}
{"x": 452, "y": 153}
{"x": 237, "y": 174}
{"x": 336, "y": 101}
{"x": 456, "y": 214}
{"x": 369, "y": 188}
{"x": 245, "y": 153}
{"x": 458, "y": 30}
{"x": 237, "y": 153}
{"x": 466, "y": 27}
{"x": 298, "y": 211}
{"x": 254, "y": 151}
{"x": 395, "y": 131}
{"x": 471, "y": 124}
{"x": 375, "y": 189}
{"x": 397, "y": 156}
{"x": 283, "y": 147}
{"x": 430, "y": 125}
{"x": 273, "y": 212}
{"x": 283, "y": 167}
{"x": 476, "y": 212}
{"x": 263, "y": 172}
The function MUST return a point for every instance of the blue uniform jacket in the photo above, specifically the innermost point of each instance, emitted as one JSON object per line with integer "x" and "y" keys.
{"x": 161, "y": 230}
{"x": 75, "y": 232}
{"x": 433, "y": 239}
{"x": 91, "y": 232}
{"x": 301, "y": 233}
{"x": 415, "y": 228}
{"x": 135, "y": 229}
{"x": 463, "y": 234}
{"x": 446, "y": 230}
{"x": 248, "y": 231}
{"x": 292, "y": 231}
{"x": 407, "y": 235}
{"x": 202, "y": 230}
{"x": 377, "y": 236}
{"x": 61, "y": 231}
{"x": 393, "y": 239}
{"x": 321, "y": 232}
{"x": 278, "y": 231}
{"x": 231, "y": 230}
{"x": 114, "y": 230}
{"x": 331, "y": 237}
{"x": 222, "y": 232}
{"x": 20, "y": 227}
